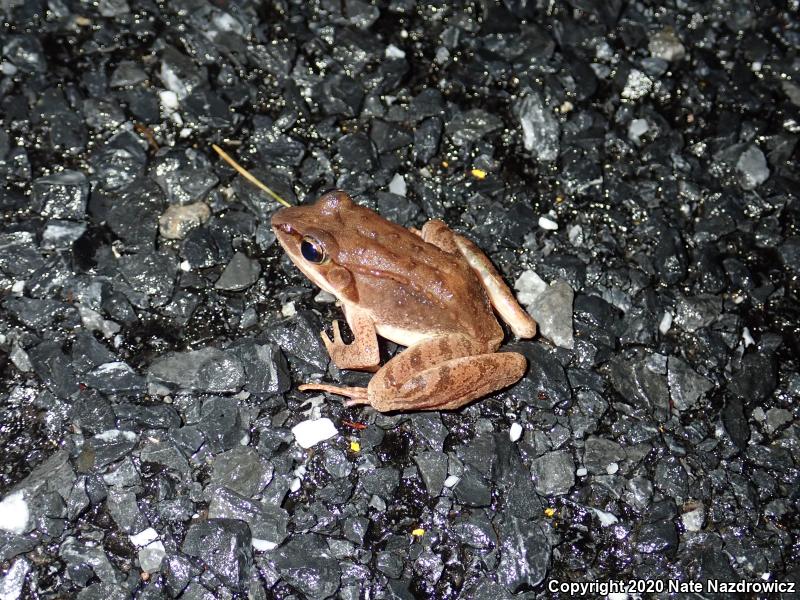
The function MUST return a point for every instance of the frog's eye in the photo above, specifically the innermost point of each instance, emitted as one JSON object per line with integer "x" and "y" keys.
{"x": 312, "y": 250}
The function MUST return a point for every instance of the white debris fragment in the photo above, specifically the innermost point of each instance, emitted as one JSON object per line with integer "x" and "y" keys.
{"x": 14, "y": 513}
{"x": 393, "y": 51}
{"x": 324, "y": 297}
{"x": 13, "y": 581}
{"x": 114, "y": 435}
{"x": 747, "y": 338}
{"x": 693, "y": 519}
{"x": 451, "y": 481}
{"x": 310, "y": 433}
{"x": 582, "y": 472}
{"x": 612, "y": 468}
{"x": 636, "y": 129}
{"x": 398, "y": 185}
{"x": 263, "y": 545}
{"x": 606, "y": 518}
{"x": 666, "y": 323}
{"x": 288, "y": 309}
{"x": 545, "y": 222}
{"x": 515, "y": 432}
{"x": 144, "y": 537}
{"x": 169, "y": 100}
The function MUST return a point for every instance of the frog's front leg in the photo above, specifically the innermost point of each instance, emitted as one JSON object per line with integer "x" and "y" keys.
{"x": 363, "y": 353}
{"x": 441, "y": 373}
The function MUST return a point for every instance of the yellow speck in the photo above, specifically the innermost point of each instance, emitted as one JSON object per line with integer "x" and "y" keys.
{"x": 445, "y": 164}
{"x": 478, "y": 173}
{"x": 549, "y": 512}
{"x": 418, "y": 532}
{"x": 559, "y": 199}
{"x": 355, "y": 446}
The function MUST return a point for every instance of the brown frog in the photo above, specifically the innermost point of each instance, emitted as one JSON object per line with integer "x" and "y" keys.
{"x": 431, "y": 290}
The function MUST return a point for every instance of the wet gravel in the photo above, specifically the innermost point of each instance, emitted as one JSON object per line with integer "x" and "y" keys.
{"x": 631, "y": 168}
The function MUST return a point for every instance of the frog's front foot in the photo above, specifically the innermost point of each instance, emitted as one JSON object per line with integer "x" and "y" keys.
{"x": 362, "y": 354}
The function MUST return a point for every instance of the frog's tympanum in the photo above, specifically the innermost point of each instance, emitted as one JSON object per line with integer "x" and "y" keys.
{"x": 431, "y": 290}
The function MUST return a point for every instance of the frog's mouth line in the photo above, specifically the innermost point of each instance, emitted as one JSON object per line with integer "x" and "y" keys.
{"x": 284, "y": 227}
{"x": 286, "y": 234}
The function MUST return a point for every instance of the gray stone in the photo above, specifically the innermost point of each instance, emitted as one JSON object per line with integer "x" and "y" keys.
{"x": 225, "y": 547}
{"x": 208, "y": 369}
{"x": 554, "y": 473}
{"x": 685, "y": 386}
{"x": 524, "y": 553}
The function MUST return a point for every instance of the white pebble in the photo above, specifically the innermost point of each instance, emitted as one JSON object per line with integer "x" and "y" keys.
{"x": 169, "y": 99}
{"x": 14, "y": 513}
{"x": 7, "y": 68}
{"x": 606, "y": 518}
{"x": 451, "y": 481}
{"x": 612, "y": 468}
{"x": 575, "y": 235}
{"x": 144, "y": 537}
{"x": 393, "y": 51}
{"x": 310, "y": 433}
{"x": 636, "y": 129}
{"x": 547, "y": 223}
{"x": 398, "y": 185}
{"x": 263, "y": 545}
{"x": 515, "y": 432}
{"x": 582, "y": 472}
{"x": 666, "y": 323}
{"x": 288, "y": 309}
{"x": 693, "y": 520}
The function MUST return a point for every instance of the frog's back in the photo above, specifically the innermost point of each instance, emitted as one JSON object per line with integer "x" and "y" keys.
{"x": 413, "y": 289}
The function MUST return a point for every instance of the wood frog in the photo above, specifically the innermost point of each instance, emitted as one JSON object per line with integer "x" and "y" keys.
{"x": 430, "y": 289}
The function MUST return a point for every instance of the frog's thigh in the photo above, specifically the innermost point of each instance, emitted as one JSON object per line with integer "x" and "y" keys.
{"x": 499, "y": 293}
{"x": 439, "y": 234}
{"x": 363, "y": 353}
{"x": 442, "y": 373}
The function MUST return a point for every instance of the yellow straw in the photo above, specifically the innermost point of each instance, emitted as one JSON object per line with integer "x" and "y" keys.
{"x": 247, "y": 175}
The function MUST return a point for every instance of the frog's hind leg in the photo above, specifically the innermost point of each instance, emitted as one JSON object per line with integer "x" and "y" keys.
{"x": 442, "y": 373}
{"x": 357, "y": 395}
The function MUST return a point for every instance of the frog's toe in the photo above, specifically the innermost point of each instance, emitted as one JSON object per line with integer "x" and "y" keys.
{"x": 357, "y": 395}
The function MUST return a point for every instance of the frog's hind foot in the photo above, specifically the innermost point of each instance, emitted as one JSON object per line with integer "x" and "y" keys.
{"x": 356, "y": 395}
